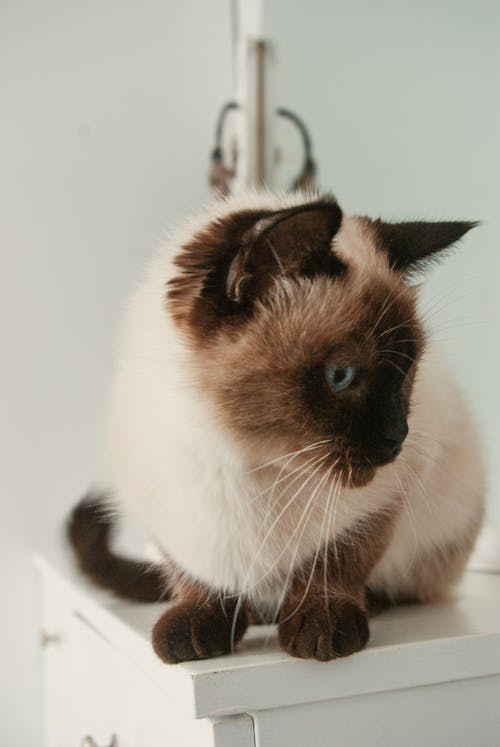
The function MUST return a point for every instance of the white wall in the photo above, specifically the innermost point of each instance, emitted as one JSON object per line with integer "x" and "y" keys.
{"x": 107, "y": 116}
{"x": 402, "y": 99}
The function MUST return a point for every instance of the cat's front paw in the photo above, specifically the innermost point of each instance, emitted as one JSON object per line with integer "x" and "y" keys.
{"x": 190, "y": 631}
{"x": 323, "y": 630}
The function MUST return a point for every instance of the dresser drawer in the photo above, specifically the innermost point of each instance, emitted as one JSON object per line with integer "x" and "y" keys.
{"x": 93, "y": 689}
{"x": 453, "y": 713}
{"x": 87, "y": 689}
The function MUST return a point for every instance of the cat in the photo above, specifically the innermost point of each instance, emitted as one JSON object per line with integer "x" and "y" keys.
{"x": 282, "y": 429}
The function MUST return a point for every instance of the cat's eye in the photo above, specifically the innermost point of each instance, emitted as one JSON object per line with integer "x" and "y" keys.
{"x": 339, "y": 377}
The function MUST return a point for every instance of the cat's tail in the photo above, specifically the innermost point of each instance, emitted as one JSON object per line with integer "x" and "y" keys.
{"x": 90, "y": 531}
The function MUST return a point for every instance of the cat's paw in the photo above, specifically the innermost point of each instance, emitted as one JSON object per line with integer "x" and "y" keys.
{"x": 189, "y": 631}
{"x": 323, "y": 630}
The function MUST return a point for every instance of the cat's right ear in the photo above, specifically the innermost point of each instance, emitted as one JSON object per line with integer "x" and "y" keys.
{"x": 235, "y": 260}
{"x": 294, "y": 241}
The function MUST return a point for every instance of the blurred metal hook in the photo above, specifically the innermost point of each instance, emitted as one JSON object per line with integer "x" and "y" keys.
{"x": 220, "y": 174}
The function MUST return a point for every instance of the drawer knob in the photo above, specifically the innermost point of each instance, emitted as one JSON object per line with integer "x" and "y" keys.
{"x": 47, "y": 638}
{"x": 88, "y": 741}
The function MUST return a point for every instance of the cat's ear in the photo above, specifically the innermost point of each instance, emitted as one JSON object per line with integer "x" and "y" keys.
{"x": 293, "y": 241}
{"x": 412, "y": 246}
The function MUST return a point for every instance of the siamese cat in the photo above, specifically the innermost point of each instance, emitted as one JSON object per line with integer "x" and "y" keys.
{"x": 282, "y": 432}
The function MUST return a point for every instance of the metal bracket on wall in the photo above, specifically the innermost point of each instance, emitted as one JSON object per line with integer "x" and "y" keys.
{"x": 254, "y": 125}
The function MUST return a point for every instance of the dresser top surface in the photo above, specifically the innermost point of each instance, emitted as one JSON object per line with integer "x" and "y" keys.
{"x": 409, "y": 646}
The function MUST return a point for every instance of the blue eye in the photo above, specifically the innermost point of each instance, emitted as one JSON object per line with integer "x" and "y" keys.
{"x": 339, "y": 377}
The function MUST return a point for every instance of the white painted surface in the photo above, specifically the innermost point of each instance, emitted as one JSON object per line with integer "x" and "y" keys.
{"x": 486, "y": 555}
{"x": 235, "y": 731}
{"x": 458, "y": 714}
{"x": 449, "y": 650}
{"x": 86, "y": 686}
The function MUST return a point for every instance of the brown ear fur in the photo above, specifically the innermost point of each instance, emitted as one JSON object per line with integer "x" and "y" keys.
{"x": 294, "y": 241}
{"x": 235, "y": 260}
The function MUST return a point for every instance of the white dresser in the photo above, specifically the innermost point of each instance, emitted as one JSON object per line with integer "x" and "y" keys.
{"x": 430, "y": 676}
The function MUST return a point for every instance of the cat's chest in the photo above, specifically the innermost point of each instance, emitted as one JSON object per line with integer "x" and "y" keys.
{"x": 243, "y": 534}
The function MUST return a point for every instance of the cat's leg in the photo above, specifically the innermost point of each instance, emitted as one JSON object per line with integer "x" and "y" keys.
{"x": 324, "y": 614}
{"x": 200, "y": 624}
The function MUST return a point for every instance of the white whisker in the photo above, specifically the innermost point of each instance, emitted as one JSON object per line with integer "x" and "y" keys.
{"x": 290, "y": 453}
{"x": 273, "y": 525}
{"x": 313, "y": 567}
{"x": 304, "y": 520}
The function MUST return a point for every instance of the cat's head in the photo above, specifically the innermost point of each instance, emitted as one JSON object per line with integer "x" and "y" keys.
{"x": 304, "y": 328}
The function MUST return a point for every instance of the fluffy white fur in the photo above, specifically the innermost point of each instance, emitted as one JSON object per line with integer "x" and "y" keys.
{"x": 177, "y": 468}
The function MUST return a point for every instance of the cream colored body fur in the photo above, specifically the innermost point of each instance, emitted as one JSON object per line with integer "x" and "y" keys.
{"x": 209, "y": 506}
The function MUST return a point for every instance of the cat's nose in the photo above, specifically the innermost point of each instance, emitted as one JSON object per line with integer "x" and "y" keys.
{"x": 393, "y": 433}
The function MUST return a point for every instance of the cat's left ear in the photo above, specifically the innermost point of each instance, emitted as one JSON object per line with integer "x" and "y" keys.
{"x": 412, "y": 246}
